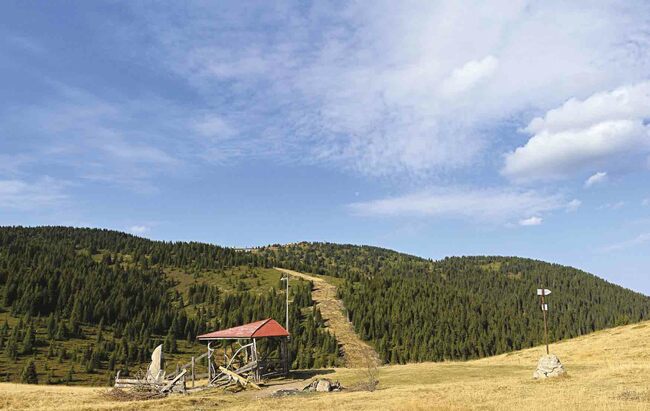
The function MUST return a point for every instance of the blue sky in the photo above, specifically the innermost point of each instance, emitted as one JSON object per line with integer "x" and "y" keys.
{"x": 434, "y": 128}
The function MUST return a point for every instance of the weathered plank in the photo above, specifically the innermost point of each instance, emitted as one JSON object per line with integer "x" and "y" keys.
{"x": 241, "y": 380}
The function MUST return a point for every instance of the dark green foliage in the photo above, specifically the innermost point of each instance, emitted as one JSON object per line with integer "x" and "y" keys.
{"x": 413, "y": 309}
{"x": 29, "y": 375}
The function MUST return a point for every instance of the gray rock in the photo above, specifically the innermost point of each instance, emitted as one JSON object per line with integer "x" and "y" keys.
{"x": 324, "y": 385}
{"x": 549, "y": 366}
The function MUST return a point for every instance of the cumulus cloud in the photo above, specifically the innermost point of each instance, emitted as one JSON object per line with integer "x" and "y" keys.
{"x": 534, "y": 220}
{"x": 28, "y": 195}
{"x": 583, "y": 135}
{"x": 484, "y": 205}
{"x": 597, "y": 178}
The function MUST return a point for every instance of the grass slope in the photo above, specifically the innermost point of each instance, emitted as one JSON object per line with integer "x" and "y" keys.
{"x": 356, "y": 352}
{"x": 609, "y": 369}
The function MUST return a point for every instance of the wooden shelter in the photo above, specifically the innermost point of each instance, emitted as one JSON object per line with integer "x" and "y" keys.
{"x": 254, "y": 350}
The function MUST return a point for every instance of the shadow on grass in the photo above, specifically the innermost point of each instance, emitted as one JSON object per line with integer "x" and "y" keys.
{"x": 306, "y": 374}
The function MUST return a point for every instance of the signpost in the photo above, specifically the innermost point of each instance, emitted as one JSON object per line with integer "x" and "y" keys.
{"x": 543, "y": 292}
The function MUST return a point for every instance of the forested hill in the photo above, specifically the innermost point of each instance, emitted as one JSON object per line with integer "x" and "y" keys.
{"x": 93, "y": 301}
{"x": 414, "y": 309}
{"x": 85, "y": 303}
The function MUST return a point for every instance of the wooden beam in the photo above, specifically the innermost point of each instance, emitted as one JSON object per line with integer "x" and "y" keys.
{"x": 241, "y": 380}
{"x": 174, "y": 381}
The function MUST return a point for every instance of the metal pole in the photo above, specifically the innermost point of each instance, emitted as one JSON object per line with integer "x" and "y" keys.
{"x": 287, "y": 322}
{"x": 545, "y": 322}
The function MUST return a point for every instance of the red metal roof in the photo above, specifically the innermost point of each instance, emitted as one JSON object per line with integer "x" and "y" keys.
{"x": 258, "y": 329}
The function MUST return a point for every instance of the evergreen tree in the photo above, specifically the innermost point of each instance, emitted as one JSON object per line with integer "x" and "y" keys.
{"x": 29, "y": 340}
{"x": 29, "y": 375}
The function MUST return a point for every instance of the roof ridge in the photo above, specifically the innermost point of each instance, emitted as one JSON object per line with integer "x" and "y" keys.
{"x": 262, "y": 324}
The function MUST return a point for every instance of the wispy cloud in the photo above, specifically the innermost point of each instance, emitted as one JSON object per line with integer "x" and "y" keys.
{"x": 597, "y": 178}
{"x": 485, "y": 205}
{"x": 534, "y": 220}
{"x": 638, "y": 240}
{"x": 110, "y": 141}
{"x": 612, "y": 206}
{"x": 28, "y": 195}
{"x": 354, "y": 94}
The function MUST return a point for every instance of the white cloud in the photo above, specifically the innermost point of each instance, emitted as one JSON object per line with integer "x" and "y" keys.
{"x": 606, "y": 128}
{"x": 486, "y": 205}
{"x": 29, "y": 195}
{"x": 573, "y": 205}
{"x": 638, "y": 240}
{"x": 337, "y": 87}
{"x": 597, "y": 178}
{"x": 139, "y": 229}
{"x": 534, "y": 220}
{"x": 612, "y": 206}
{"x": 214, "y": 126}
{"x": 469, "y": 75}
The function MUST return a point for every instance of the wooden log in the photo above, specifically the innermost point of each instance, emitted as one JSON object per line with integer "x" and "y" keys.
{"x": 241, "y": 380}
{"x": 246, "y": 368}
{"x": 138, "y": 382}
{"x": 174, "y": 381}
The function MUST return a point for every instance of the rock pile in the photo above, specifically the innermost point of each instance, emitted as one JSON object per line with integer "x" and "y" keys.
{"x": 549, "y": 366}
{"x": 323, "y": 385}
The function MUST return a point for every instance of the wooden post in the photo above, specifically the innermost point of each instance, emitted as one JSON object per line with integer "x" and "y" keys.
{"x": 284, "y": 352}
{"x": 209, "y": 364}
{"x": 192, "y": 372}
{"x": 545, "y": 321}
{"x": 256, "y": 372}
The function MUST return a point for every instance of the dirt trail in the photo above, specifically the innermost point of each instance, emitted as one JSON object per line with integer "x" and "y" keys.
{"x": 356, "y": 352}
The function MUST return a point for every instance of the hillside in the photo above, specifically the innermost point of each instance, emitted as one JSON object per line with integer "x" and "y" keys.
{"x": 86, "y": 302}
{"x": 414, "y": 309}
{"x": 356, "y": 352}
{"x": 607, "y": 370}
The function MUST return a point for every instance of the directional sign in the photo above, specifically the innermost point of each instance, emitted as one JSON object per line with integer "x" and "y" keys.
{"x": 544, "y": 291}
{"x": 544, "y": 307}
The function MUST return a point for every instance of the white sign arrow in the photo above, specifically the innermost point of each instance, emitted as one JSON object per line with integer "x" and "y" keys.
{"x": 546, "y": 291}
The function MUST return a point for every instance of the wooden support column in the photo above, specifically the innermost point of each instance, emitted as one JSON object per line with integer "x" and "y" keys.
{"x": 284, "y": 353}
{"x": 256, "y": 372}
{"x": 209, "y": 364}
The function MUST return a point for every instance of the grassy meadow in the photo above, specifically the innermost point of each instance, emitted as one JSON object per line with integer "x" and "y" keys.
{"x": 607, "y": 370}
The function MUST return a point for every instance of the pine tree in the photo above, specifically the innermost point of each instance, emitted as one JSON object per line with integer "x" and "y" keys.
{"x": 170, "y": 341}
{"x": 69, "y": 377}
{"x": 29, "y": 375}
{"x": 28, "y": 340}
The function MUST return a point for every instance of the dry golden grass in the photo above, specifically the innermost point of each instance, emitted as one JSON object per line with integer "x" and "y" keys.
{"x": 356, "y": 352}
{"x": 607, "y": 370}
